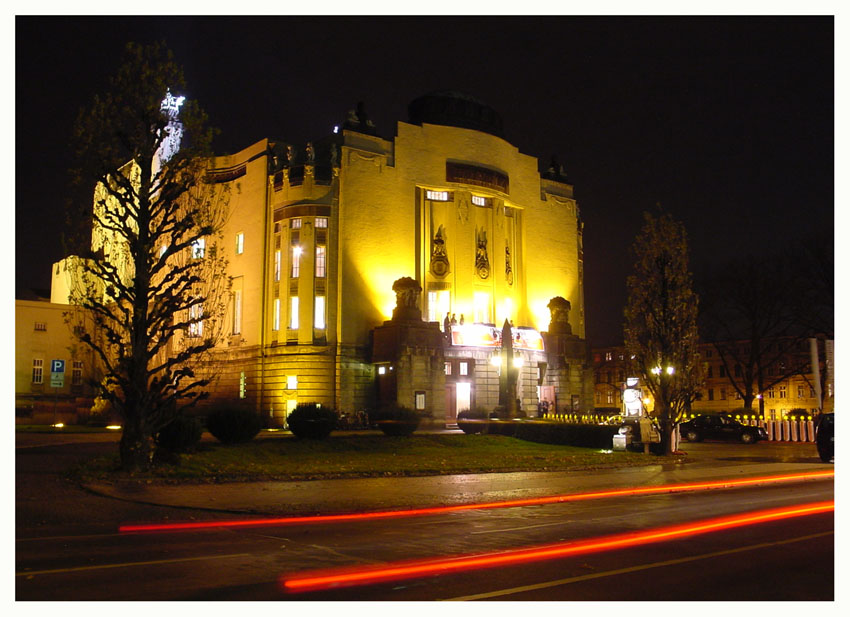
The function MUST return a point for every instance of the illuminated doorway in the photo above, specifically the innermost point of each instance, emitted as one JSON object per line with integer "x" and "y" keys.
{"x": 463, "y": 397}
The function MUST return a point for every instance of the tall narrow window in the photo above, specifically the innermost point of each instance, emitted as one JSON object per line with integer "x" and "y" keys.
{"x": 277, "y": 265}
{"x": 198, "y": 248}
{"x": 319, "y": 317}
{"x": 240, "y": 243}
{"x": 37, "y": 370}
{"x": 296, "y": 261}
{"x": 439, "y": 304}
{"x": 196, "y": 324}
{"x": 77, "y": 373}
{"x": 481, "y": 304}
{"x": 293, "y": 313}
{"x": 237, "y": 311}
{"x": 320, "y": 262}
{"x": 276, "y": 315}
{"x": 292, "y": 382}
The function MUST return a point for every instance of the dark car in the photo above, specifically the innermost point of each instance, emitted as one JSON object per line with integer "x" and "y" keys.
{"x": 825, "y": 437}
{"x": 720, "y": 427}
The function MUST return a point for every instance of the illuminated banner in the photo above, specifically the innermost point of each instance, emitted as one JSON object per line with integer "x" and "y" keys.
{"x": 483, "y": 335}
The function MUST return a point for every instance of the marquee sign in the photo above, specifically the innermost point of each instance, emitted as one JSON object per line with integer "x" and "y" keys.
{"x": 485, "y": 335}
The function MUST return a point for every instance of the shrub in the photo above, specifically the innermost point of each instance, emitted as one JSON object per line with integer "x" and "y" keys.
{"x": 396, "y": 420}
{"x": 312, "y": 421}
{"x": 234, "y": 425}
{"x": 472, "y": 421}
{"x": 582, "y": 435}
{"x": 182, "y": 434}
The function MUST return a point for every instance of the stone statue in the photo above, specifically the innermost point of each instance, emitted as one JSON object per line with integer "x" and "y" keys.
{"x": 290, "y": 155}
{"x": 509, "y": 272}
{"x": 407, "y": 293}
{"x": 439, "y": 259}
{"x": 559, "y": 309}
{"x": 334, "y": 156}
{"x": 482, "y": 263}
{"x": 311, "y": 154}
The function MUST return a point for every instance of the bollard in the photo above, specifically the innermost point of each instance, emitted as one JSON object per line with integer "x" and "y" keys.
{"x": 810, "y": 426}
{"x": 786, "y": 430}
{"x": 794, "y": 429}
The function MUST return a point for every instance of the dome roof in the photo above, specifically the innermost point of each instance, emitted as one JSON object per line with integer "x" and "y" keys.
{"x": 452, "y": 108}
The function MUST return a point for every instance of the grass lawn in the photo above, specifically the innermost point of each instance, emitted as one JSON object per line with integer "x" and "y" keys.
{"x": 343, "y": 456}
{"x": 68, "y": 428}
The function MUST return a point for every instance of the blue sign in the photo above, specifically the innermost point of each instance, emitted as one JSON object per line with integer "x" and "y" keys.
{"x": 57, "y": 366}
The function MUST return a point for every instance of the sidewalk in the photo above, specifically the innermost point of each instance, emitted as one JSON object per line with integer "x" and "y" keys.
{"x": 367, "y": 494}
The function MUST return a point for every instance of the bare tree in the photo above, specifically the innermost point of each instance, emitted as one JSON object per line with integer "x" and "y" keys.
{"x": 660, "y": 329}
{"x": 153, "y": 283}
{"x": 750, "y": 320}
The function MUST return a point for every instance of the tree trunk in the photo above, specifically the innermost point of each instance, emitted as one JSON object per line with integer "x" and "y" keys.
{"x": 136, "y": 447}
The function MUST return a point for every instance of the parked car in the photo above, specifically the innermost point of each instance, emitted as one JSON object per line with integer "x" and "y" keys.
{"x": 720, "y": 427}
{"x": 825, "y": 437}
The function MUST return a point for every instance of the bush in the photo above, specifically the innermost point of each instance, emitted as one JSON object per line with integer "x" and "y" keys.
{"x": 473, "y": 421}
{"x": 182, "y": 434}
{"x": 581, "y": 435}
{"x": 312, "y": 421}
{"x": 396, "y": 420}
{"x": 233, "y": 425}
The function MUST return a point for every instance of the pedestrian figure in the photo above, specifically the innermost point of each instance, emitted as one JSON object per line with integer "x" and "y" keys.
{"x": 446, "y": 323}
{"x": 454, "y": 320}
{"x": 461, "y": 319}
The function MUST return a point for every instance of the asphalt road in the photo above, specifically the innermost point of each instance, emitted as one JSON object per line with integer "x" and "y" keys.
{"x": 68, "y": 548}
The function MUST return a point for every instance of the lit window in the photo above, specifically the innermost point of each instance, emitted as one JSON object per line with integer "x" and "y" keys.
{"x": 608, "y": 355}
{"x": 420, "y": 401}
{"x": 41, "y": 326}
{"x": 277, "y": 265}
{"x": 382, "y": 370}
{"x": 464, "y": 368}
{"x": 77, "y": 373}
{"x": 319, "y": 317}
{"x": 237, "y": 311}
{"x": 295, "y": 224}
{"x": 38, "y": 370}
{"x": 438, "y": 305}
{"x": 296, "y": 261}
{"x": 196, "y": 323}
{"x": 481, "y": 304}
{"x": 320, "y": 262}
{"x": 276, "y": 315}
{"x": 437, "y": 195}
{"x": 243, "y": 385}
{"x": 198, "y": 247}
{"x": 240, "y": 243}
{"x": 448, "y": 368}
{"x": 321, "y": 222}
{"x": 293, "y": 313}
{"x": 479, "y": 201}
{"x": 291, "y": 382}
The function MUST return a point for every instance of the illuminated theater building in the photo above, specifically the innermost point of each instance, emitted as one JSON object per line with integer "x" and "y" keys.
{"x": 349, "y": 256}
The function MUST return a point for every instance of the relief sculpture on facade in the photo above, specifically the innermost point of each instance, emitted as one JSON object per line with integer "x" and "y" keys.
{"x": 439, "y": 259}
{"x": 509, "y": 272}
{"x": 482, "y": 263}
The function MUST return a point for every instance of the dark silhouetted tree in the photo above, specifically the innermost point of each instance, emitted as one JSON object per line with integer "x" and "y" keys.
{"x": 660, "y": 329}
{"x": 152, "y": 283}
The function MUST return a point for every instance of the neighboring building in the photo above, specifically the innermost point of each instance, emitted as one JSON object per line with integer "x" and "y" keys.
{"x": 317, "y": 236}
{"x": 794, "y": 387}
{"x": 42, "y": 336}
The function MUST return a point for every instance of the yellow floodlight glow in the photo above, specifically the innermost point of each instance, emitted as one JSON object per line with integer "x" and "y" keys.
{"x": 518, "y": 362}
{"x": 496, "y": 360}
{"x": 58, "y": 425}
{"x": 114, "y": 427}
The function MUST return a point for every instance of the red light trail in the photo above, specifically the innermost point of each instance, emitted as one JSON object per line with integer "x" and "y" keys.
{"x": 514, "y": 503}
{"x": 371, "y": 574}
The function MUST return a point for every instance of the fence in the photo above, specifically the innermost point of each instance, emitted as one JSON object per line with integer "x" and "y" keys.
{"x": 777, "y": 430}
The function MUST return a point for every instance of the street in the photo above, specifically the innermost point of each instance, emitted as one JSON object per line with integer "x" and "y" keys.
{"x": 88, "y": 559}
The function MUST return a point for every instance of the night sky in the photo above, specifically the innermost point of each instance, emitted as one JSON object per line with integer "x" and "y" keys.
{"x": 727, "y": 122}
